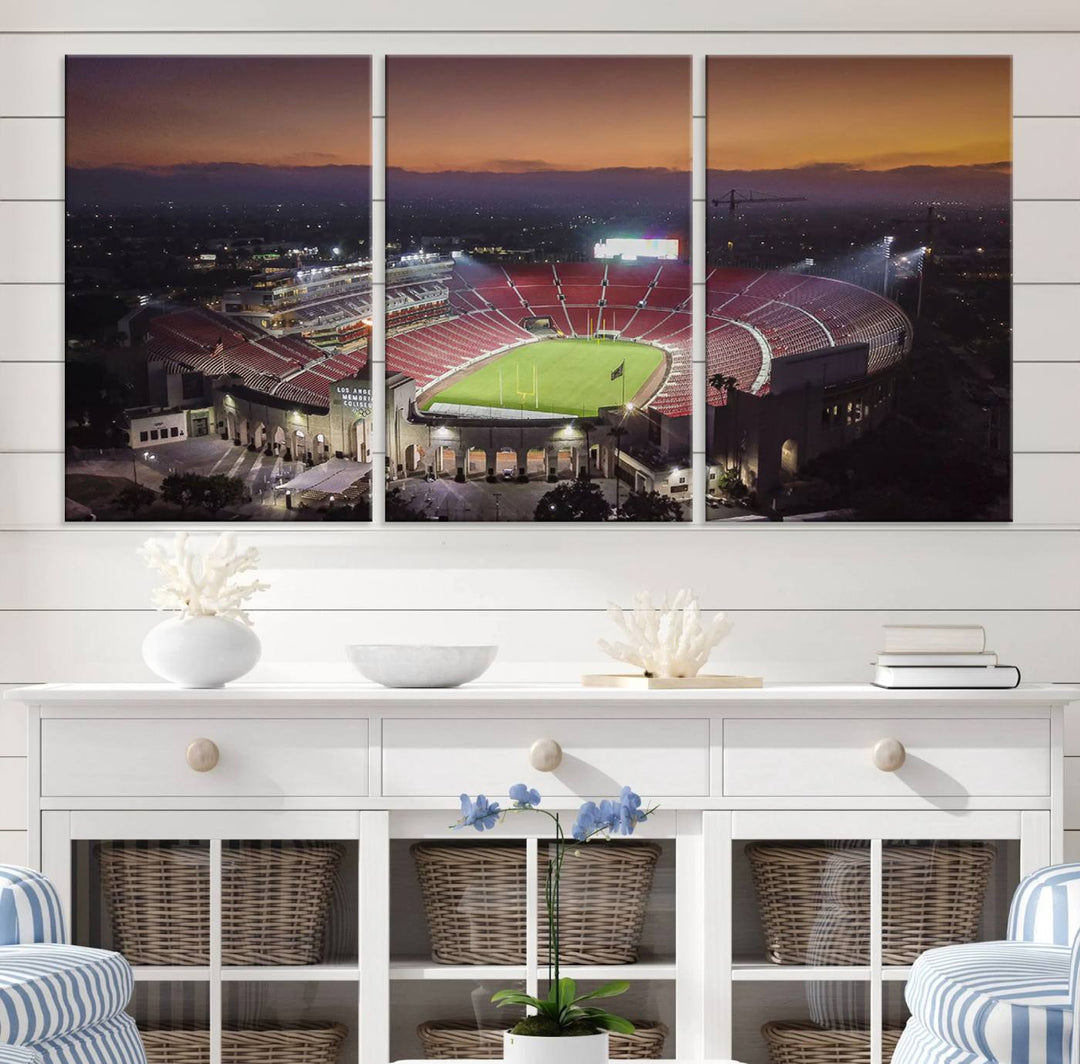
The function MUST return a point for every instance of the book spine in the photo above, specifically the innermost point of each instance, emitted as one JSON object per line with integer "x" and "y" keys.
{"x": 929, "y": 640}
{"x": 934, "y": 659}
{"x": 1003, "y": 677}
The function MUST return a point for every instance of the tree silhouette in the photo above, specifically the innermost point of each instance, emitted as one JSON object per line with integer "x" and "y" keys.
{"x": 212, "y": 493}
{"x": 133, "y": 498}
{"x": 650, "y": 506}
{"x": 577, "y": 500}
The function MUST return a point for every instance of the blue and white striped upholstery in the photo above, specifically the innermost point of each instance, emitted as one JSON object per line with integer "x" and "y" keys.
{"x": 59, "y": 1004}
{"x": 115, "y": 1041}
{"x": 1046, "y": 906}
{"x": 920, "y": 1046}
{"x": 19, "y": 1055}
{"x": 48, "y": 990}
{"x": 1006, "y": 1001}
{"x": 29, "y": 908}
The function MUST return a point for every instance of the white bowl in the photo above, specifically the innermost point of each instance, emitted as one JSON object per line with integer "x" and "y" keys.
{"x": 420, "y": 666}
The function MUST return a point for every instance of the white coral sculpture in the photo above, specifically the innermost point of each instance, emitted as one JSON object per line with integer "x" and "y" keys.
{"x": 667, "y": 640}
{"x": 198, "y": 585}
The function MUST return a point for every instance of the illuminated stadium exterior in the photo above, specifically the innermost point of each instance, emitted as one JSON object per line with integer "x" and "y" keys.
{"x": 281, "y": 361}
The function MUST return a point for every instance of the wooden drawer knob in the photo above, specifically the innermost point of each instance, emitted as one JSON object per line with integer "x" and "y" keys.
{"x": 202, "y": 755}
{"x": 545, "y": 755}
{"x": 889, "y": 755}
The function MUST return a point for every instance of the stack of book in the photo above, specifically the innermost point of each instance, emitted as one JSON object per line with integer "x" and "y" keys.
{"x": 940, "y": 656}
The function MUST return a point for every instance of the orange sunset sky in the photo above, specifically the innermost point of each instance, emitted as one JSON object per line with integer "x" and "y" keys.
{"x": 537, "y": 113}
{"x": 156, "y": 111}
{"x": 875, "y": 113}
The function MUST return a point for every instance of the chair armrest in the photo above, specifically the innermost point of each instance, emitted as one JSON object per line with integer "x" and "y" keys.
{"x": 30, "y": 909}
{"x": 1046, "y": 906}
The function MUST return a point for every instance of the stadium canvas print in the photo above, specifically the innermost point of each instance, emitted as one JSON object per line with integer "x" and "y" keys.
{"x": 538, "y": 285}
{"x": 859, "y": 271}
{"x": 218, "y": 288}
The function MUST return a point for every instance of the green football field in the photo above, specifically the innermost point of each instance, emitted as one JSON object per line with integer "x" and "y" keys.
{"x": 556, "y": 376}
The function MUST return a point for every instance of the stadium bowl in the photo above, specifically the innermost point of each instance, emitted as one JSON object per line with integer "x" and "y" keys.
{"x": 420, "y": 666}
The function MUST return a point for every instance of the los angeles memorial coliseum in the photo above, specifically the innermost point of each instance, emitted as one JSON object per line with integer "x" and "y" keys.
{"x": 525, "y": 369}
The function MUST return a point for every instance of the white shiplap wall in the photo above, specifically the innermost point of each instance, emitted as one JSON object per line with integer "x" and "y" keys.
{"x": 808, "y": 601}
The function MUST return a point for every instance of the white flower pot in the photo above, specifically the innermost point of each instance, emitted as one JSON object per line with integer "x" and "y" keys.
{"x": 529, "y": 1049}
{"x": 201, "y": 651}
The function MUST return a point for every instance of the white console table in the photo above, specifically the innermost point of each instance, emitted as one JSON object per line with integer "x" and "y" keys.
{"x": 379, "y": 769}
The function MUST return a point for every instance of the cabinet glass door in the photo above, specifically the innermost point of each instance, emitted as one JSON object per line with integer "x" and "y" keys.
{"x": 823, "y": 931}
{"x": 468, "y": 918}
{"x": 244, "y": 950}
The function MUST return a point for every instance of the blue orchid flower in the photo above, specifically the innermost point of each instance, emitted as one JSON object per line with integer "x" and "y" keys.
{"x": 524, "y": 797}
{"x": 618, "y": 817}
{"x": 630, "y": 813}
{"x": 480, "y": 814}
{"x": 587, "y": 821}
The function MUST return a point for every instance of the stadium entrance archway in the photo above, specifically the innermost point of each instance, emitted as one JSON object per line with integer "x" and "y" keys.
{"x": 506, "y": 460}
{"x": 279, "y": 440}
{"x": 300, "y": 445}
{"x": 320, "y": 449}
{"x": 789, "y": 459}
{"x": 536, "y": 460}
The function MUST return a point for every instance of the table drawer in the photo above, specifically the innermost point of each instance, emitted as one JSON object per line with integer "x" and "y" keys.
{"x": 658, "y": 758}
{"x": 816, "y": 757}
{"x": 255, "y": 757}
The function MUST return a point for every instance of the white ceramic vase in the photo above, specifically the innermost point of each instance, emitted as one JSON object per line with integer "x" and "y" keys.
{"x": 201, "y": 651}
{"x": 580, "y": 1049}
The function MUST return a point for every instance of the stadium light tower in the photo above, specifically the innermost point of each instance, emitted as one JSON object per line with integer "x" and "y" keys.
{"x": 887, "y": 244}
{"x": 924, "y": 254}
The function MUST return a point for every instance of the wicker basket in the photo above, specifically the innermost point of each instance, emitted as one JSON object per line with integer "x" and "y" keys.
{"x": 814, "y": 900}
{"x": 450, "y": 1040}
{"x": 807, "y": 1043}
{"x": 274, "y": 901}
{"x": 474, "y": 902}
{"x": 303, "y": 1044}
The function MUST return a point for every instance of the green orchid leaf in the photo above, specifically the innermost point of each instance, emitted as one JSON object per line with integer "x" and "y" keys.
{"x": 608, "y": 1021}
{"x": 613, "y": 989}
{"x": 515, "y": 997}
{"x": 567, "y": 990}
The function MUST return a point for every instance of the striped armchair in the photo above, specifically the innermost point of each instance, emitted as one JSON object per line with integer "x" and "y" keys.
{"x": 1008, "y": 1002}
{"x": 58, "y": 1003}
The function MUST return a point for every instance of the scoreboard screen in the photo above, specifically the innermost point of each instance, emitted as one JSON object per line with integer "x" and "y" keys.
{"x": 631, "y": 248}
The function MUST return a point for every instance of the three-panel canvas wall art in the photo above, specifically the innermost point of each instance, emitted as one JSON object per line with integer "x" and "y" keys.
{"x": 544, "y": 313}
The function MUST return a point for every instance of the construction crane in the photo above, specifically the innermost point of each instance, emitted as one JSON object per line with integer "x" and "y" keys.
{"x": 735, "y": 196}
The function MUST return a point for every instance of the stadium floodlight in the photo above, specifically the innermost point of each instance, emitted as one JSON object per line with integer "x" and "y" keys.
{"x": 887, "y": 244}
